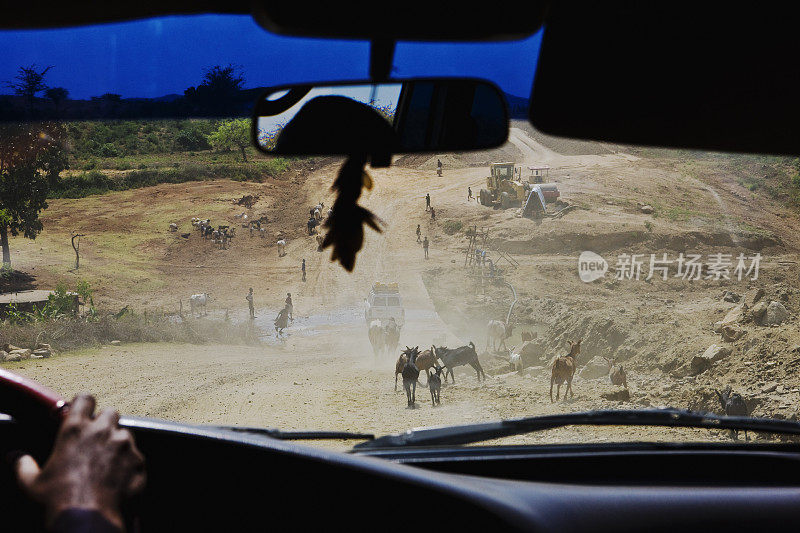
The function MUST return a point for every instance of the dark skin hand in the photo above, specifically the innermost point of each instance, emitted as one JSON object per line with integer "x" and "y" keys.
{"x": 94, "y": 465}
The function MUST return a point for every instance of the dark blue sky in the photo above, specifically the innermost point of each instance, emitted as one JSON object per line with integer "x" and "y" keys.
{"x": 166, "y": 55}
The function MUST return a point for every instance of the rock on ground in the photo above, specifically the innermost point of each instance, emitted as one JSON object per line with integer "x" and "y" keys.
{"x": 622, "y": 395}
{"x": 734, "y": 316}
{"x": 731, "y": 333}
{"x": 699, "y": 364}
{"x": 731, "y": 296}
{"x": 715, "y": 352}
{"x": 776, "y": 314}
{"x": 758, "y": 311}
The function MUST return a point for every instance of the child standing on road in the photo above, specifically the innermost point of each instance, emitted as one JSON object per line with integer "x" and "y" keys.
{"x": 427, "y": 201}
{"x": 425, "y": 246}
{"x": 418, "y": 233}
{"x": 249, "y": 299}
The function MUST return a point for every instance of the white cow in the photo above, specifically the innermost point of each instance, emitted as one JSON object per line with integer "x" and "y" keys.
{"x": 281, "y": 248}
{"x": 199, "y": 301}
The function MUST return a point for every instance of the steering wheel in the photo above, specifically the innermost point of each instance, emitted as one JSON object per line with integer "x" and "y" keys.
{"x": 40, "y": 410}
{"x": 29, "y": 402}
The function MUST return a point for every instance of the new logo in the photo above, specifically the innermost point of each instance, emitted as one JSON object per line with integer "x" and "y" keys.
{"x": 591, "y": 266}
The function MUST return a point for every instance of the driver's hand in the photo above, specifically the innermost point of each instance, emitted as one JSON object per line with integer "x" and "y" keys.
{"x": 94, "y": 465}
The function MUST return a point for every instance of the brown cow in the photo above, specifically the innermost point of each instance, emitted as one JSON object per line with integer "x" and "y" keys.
{"x": 563, "y": 370}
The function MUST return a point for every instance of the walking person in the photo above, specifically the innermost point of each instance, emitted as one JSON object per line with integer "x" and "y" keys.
{"x": 289, "y": 306}
{"x": 469, "y": 193}
{"x": 425, "y": 246}
{"x": 427, "y": 201}
{"x": 249, "y": 299}
{"x": 438, "y": 166}
{"x": 418, "y": 233}
{"x": 303, "y": 268}
{"x": 433, "y": 214}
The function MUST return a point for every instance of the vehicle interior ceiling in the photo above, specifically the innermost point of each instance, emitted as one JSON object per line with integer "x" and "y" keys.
{"x": 719, "y": 87}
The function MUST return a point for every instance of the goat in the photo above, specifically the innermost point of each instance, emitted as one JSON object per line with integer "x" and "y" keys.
{"x": 173, "y": 227}
{"x": 734, "y": 405}
{"x": 426, "y": 360}
{"x": 515, "y": 360}
{"x": 435, "y": 385}
{"x": 464, "y": 355}
{"x": 563, "y": 370}
{"x": 497, "y": 331}
{"x": 281, "y": 247}
{"x": 616, "y": 373}
{"x": 411, "y": 375}
{"x": 398, "y": 367}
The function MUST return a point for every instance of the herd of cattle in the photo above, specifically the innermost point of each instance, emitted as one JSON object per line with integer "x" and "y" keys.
{"x": 223, "y": 235}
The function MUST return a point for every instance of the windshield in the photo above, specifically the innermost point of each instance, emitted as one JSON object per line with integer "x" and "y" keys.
{"x": 170, "y": 268}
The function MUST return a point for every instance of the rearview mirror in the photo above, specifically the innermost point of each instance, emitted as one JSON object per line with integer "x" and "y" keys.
{"x": 381, "y": 118}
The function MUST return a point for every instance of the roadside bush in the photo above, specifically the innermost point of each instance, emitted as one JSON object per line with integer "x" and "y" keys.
{"x": 191, "y": 138}
{"x": 86, "y": 184}
{"x": 452, "y": 227}
{"x": 109, "y": 150}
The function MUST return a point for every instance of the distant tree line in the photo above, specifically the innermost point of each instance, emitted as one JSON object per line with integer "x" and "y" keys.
{"x": 219, "y": 94}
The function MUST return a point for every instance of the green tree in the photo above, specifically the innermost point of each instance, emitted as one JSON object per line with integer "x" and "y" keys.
{"x": 232, "y": 134}
{"x": 56, "y": 95}
{"x": 29, "y": 81}
{"x": 31, "y": 158}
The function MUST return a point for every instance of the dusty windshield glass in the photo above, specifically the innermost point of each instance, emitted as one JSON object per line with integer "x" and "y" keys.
{"x": 174, "y": 271}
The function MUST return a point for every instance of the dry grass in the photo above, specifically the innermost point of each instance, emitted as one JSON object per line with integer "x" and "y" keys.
{"x": 74, "y": 333}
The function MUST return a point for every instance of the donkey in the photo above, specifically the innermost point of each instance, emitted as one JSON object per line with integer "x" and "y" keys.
{"x": 411, "y": 375}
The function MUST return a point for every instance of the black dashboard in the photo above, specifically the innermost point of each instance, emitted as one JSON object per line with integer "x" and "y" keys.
{"x": 203, "y": 479}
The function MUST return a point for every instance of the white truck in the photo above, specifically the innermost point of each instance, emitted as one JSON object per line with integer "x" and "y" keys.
{"x": 383, "y": 303}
